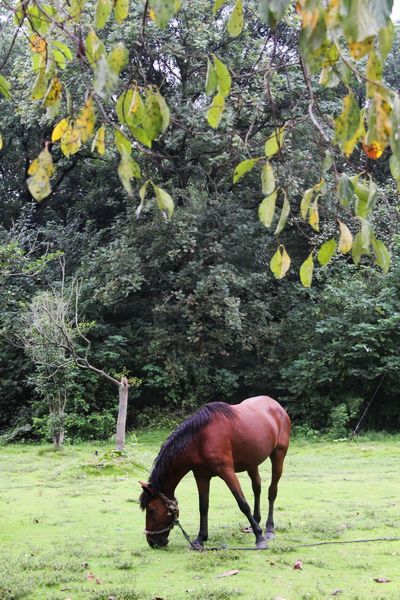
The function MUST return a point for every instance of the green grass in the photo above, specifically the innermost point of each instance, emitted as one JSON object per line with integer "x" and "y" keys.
{"x": 66, "y": 514}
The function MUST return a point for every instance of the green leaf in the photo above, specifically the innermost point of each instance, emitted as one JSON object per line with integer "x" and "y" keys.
{"x": 224, "y": 78}
{"x": 357, "y": 250}
{"x": 284, "y": 214}
{"x": 280, "y": 262}
{"x": 164, "y": 201}
{"x": 39, "y": 87}
{"x": 103, "y": 11}
{"x": 306, "y": 271}
{"x": 345, "y": 190}
{"x": 394, "y": 164}
{"x": 345, "y": 239}
{"x": 243, "y": 167}
{"x": 365, "y": 197}
{"x": 236, "y": 20}
{"x": 152, "y": 120}
{"x": 122, "y": 143}
{"x": 118, "y": 58}
{"x": 141, "y": 136}
{"x": 214, "y": 113}
{"x": 305, "y": 202}
{"x": 164, "y": 10}
{"x": 328, "y": 161}
{"x": 104, "y": 79}
{"x": 94, "y": 48}
{"x": 211, "y": 79}
{"x": 267, "y": 179}
{"x": 326, "y": 252}
{"x": 164, "y": 110}
{"x": 217, "y": 6}
{"x": 364, "y": 18}
{"x": 121, "y": 10}
{"x": 272, "y": 11}
{"x": 64, "y": 49}
{"x": 382, "y": 254}
{"x": 386, "y": 37}
{"x": 127, "y": 169}
{"x": 274, "y": 142}
{"x": 266, "y": 210}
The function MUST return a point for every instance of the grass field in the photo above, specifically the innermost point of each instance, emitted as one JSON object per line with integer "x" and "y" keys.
{"x": 72, "y": 529}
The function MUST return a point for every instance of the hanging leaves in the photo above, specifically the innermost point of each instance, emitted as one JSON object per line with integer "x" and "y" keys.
{"x": 103, "y": 11}
{"x": 70, "y": 141}
{"x": 274, "y": 143}
{"x": 266, "y": 210}
{"x": 85, "y": 121}
{"x": 306, "y": 271}
{"x": 163, "y": 11}
{"x": 165, "y": 202}
{"x": 280, "y": 262}
{"x": 346, "y": 239}
{"x": 326, "y": 252}
{"x": 54, "y": 93}
{"x": 121, "y": 10}
{"x": 218, "y": 78}
{"x": 40, "y": 171}
{"x": 284, "y": 214}
{"x": 349, "y": 126}
{"x": 243, "y": 167}
{"x": 98, "y": 144}
{"x": 59, "y": 130}
{"x": 214, "y": 113}
{"x": 267, "y": 179}
{"x": 236, "y": 20}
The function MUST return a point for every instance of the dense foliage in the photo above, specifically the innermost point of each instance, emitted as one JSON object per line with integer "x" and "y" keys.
{"x": 189, "y": 305}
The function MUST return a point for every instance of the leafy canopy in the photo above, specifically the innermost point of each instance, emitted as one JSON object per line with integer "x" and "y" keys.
{"x": 344, "y": 41}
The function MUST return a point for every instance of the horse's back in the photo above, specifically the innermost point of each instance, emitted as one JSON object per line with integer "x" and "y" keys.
{"x": 257, "y": 427}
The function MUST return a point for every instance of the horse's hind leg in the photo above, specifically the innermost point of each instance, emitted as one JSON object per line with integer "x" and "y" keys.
{"x": 277, "y": 457}
{"x": 256, "y": 485}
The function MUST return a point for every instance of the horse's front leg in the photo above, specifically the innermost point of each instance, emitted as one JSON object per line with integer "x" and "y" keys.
{"x": 231, "y": 480}
{"x": 203, "y": 486}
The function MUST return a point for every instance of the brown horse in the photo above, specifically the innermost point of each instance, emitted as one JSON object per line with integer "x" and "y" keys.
{"x": 218, "y": 440}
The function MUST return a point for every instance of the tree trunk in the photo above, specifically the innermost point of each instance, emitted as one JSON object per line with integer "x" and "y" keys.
{"x": 58, "y": 438}
{"x": 122, "y": 410}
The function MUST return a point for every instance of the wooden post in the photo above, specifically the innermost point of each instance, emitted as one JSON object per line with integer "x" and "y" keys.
{"x": 122, "y": 410}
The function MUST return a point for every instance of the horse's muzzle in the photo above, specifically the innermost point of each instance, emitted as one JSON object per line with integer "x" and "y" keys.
{"x": 157, "y": 541}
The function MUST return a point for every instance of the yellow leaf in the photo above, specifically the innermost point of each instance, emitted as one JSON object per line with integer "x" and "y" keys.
{"x": 39, "y": 185}
{"x": 70, "y": 141}
{"x": 346, "y": 239}
{"x": 280, "y": 262}
{"x": 44, "y": 161}
{"x": 54, "y": 92}
{"x": 360, "y": 49}
{"x": 59, "y": 130}
{"x": 1, "y": 142}
{"x": 38, "y": 44}
{"x": 84, "y": 124}
{"x": 314, "y": 216}
{"x": 98, "y": 143}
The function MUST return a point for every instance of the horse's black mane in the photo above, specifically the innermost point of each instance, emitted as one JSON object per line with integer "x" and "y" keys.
{"x": 178, "y": 441}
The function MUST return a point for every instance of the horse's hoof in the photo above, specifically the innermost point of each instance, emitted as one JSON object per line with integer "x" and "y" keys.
{"x": 270, "y": 535}
{"x": 196, "y": 546}
{"x": 262, "y": 545}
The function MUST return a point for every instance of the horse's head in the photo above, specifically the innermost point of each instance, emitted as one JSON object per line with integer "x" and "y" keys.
{"x": 161, "y": 515}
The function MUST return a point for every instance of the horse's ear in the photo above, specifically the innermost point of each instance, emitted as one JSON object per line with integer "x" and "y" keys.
{"x": 146, "y": 487}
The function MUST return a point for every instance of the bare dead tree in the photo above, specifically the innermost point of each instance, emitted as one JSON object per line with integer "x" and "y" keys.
{"x": 54, "y": 336}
